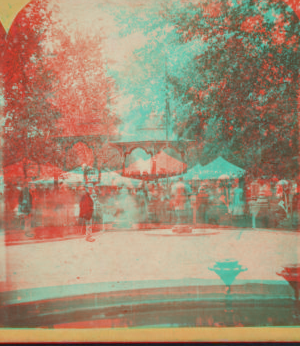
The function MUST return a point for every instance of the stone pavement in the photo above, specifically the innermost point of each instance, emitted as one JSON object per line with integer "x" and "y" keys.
{"x": 131, "y": 259}
{"x": 50, "y": 234}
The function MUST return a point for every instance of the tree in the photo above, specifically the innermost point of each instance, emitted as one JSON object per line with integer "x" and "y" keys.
{"x": 85, "y": 91}
{"x": 86, "y": 95}
{"x": 2, "y": 49}
{"x": 243, "y": 86}
{"x": 30, "y": 87}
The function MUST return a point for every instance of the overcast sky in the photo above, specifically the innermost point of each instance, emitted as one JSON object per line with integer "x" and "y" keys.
{"x": 136, "y": 44}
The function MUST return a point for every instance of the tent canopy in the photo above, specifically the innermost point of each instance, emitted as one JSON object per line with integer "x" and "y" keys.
{"x": 42, "y": 172}
{"x": 43, "y": 182}
{"x": 15, "y": 172}
{"x": 114, "y": 179}
{"x": 192, "y": 173}
{"x": 74, "y": 176}
{"x": 109, "y": 178}
{"x": 168, "y": 164}
{"x": 219, "y": 168}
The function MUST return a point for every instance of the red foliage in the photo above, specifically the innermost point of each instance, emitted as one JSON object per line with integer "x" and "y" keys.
{"x": 253, "y": 24}
{"x": 2, "y": 41}
{"x": 23, "y": 43}
{"x": 212, "y": 9}
{"x": 28, "y": 85}
{"x": 84, "y": 88}
{"x": 78, "y": 155}
{"x": 278, "y": 33}
{"x": 295, "y": 5}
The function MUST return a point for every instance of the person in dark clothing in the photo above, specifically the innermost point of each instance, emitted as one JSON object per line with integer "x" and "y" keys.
{"x": 86, "y": 207}
{"x": 25, "y": 207}
{"x": 295, "y": 209}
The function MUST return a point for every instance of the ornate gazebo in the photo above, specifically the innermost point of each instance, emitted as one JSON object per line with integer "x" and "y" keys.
{"x": 112, "y": 153}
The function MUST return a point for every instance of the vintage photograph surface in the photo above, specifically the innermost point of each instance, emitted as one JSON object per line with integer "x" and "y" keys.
{"x": 149, "y": 164}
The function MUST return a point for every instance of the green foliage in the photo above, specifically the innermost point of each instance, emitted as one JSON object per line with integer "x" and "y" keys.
{"x": 242, "y": 88}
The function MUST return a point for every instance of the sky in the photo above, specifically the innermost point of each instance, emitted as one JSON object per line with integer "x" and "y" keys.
{"x": 138, "y": 50}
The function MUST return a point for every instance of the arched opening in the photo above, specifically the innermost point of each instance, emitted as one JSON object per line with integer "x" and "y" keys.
{"x": 138, "y": 162}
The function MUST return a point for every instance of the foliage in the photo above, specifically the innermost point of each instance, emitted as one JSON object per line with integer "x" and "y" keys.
{"x": 30, "y": 87}
{"x": 86, "y": 93}
{"x": 55, "y": 85}
{"x": 242, "y": 88}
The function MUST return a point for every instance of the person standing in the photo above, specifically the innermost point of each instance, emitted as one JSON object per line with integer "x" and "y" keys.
{"x": 25, "y": 207}
{"x": 164, "y": 198}
{"x": 202, "y": 204}
{"x": 142, "y": 203}
{"x": 152, "y": 195}
{"x": 86, "y": 212}
{"x": 98, "y": 215}
{"x": 296, "y": 204}
{"x": 254, "y": 206}
{"x": 180, "y": 201}
{"x": 238, "y": 204}
{"x": 263, "y": 203}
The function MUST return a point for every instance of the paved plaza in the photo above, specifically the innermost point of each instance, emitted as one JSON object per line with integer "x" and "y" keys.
{"x": 147, "y": 257}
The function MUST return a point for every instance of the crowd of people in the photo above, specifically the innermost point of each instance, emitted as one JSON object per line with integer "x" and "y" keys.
{"x": 267, "y": 203}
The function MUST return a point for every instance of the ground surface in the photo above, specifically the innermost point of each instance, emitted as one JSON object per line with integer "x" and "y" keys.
{"x": 134, "y": 256}
{"x": 148, "y": 277}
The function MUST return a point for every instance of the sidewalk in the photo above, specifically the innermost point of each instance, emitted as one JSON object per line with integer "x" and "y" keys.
{"x": 52, "y": 234}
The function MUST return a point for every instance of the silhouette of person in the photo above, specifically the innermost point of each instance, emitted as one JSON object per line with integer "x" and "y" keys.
{"x": 86, "y": 212}
{"x": 25, "y": 207}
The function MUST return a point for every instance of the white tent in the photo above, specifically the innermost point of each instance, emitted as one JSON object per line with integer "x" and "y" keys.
{"x": 218, "y": 168}
{"x": 42, "y": 181}
{"x": 74, "y": 176}
{"x": 114, "y": 179}
{"x": 1, "y": 183}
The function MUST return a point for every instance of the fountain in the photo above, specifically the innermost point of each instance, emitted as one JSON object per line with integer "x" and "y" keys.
{"x": 182, "y": 229}
{"x": 228, "y": 270}
{"x": 291, "y": 274}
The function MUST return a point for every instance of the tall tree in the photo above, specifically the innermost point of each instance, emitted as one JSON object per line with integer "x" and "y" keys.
{"x": 30, "y": 87}
{"x": 243, "y": 86}
{"x": 2, "y": 102}
{"x": 85, "y": 91}
{"x": 2, "y": 48}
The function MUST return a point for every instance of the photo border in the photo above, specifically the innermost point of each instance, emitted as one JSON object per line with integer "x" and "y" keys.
{"x": 8, "y": 11}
